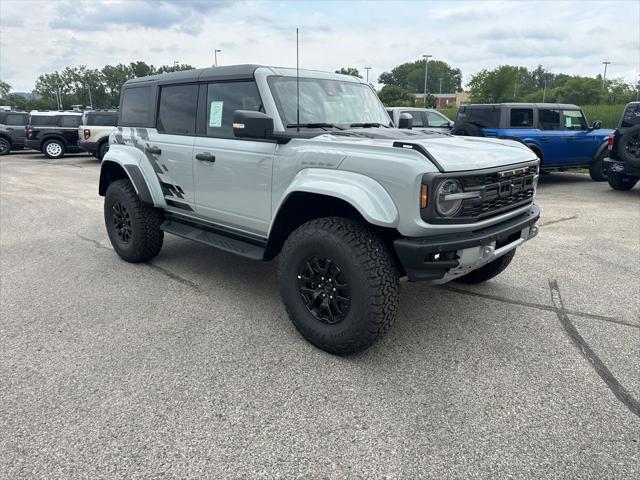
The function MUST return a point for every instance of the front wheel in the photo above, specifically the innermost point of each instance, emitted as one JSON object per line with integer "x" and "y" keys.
{"x": 53, "y": 149}
{"x": 133, "y": 228}
{"x": 598, "y": 169}
{"x": 488, "y": 271}
{"x": 620, "y": 181}
{"x": 5, "y": 146}
{"x": 339, "y": 284}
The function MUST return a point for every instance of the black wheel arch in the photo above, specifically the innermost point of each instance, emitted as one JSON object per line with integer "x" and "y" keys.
{"x": 111, "y": 171}
{"x": 53, "y": 136}
{"x": 601, "y": 149}
{"x": 7, "y": 138}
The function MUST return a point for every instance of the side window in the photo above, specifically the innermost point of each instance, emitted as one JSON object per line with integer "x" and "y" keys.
{"x": 573, "y": 120}
{"x": 177, "y": 110}
{"x": 484, "y": 117}
{"x": 136, "y": 105}
{"x": 549, "y": 119}
{"x": 223, "y": 99}
{"x": 102, "y": 120}
{"x": 521, "y": 118}
{"x": 15, "y": 119}
{"x": 436, "y": 120}
{"x": 417, "y": 117}
{"x": 70, "y": 120}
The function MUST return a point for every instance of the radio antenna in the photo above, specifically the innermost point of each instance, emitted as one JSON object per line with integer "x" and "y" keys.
{"x": 297, "y": 85}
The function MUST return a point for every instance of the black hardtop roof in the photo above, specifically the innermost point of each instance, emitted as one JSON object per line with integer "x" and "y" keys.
{"x": 566, "y": 106}
{"x": 229, "y": 72}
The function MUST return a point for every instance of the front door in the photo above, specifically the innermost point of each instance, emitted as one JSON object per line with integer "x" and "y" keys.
{"x": 232, "y": 176}
{"x": 580, "y": 145}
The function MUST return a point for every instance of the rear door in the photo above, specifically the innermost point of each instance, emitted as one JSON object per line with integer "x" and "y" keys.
{"x": 551, "y": 136}
{"x": 232, "y": 176}
{"x": 69, "y": 127}
{"x": 16, "y": 126}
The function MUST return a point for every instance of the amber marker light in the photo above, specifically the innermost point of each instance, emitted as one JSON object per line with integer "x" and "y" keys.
{"x": 423, "y": 196}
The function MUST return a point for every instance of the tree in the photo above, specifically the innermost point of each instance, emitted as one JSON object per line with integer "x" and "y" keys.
{"x": 349, "y": 71}
{"x": 581, "y": 91}
{"x": 410, "y": 76}
{"x": 5, "y": 88}
{"x": 507, "y": 83}
{"x": 394, "y": 96}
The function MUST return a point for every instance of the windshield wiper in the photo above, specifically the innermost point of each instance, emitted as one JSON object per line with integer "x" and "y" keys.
{"x": 369, "y": 125}
{"x": 313, "y": 125}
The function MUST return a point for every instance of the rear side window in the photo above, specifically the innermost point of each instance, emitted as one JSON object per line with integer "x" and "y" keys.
{"x": 40, "y": 120}
{"x": 102, "y": 120}
{"x": 549, "y": 119}
{"x": 521, "y": 118}
{"x": 136, "y": 106}
{"x": 177, "y": 110}
{"x": 223, "y": 99}
{"x": 483, "y": 117}
{"x": 15, "y": 119}
{"x": 70, "y": 120}
{"x": 417, "y": 118}
{"x": 631, "y": 116}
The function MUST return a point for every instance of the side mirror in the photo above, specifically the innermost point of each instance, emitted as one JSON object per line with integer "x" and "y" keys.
{"x": 252, "y": 124}
{"x": 405, "y": 121}
{"x": 597, "y": 125}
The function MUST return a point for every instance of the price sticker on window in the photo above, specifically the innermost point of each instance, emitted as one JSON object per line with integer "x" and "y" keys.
{"x": 215, "y": 114}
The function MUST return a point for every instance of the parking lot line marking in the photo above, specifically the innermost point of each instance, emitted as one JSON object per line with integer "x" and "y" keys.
{"x": 540, "y": 306}
{"x": 601, "y": 369}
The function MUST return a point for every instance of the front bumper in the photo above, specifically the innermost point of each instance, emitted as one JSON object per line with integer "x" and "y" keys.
{"x": 627, "y": 168}
{"x": 442, "y": 258}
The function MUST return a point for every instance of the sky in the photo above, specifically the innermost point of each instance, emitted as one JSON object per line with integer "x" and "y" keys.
{"x": 564, "y": 36}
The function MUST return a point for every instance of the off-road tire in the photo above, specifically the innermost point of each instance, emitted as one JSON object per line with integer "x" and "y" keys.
{"x": 102, "y": 150}
{"x": 146, "y": 236}
{"x": 5, "y": 146}
{"x": 620, "y": 181}
{"x": 467, "y": 130}
{"x": 50, "y": 151}
{"x": 369, "y": 270}
{"x": 488, "y": 271}
{"x": 630, "y": 137}
{"x": 597, "y": 169}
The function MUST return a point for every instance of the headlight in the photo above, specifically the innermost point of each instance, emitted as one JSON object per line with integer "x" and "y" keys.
{"x": 448, "y": 198}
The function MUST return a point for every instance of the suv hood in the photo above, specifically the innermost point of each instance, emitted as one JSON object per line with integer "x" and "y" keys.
{"x": 452, "y": 153}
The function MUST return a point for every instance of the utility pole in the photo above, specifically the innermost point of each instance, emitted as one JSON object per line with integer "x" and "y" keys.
{"x": 515, "y": 86}
{"x": 544, "y": 91}
{"x": 604, "y": 77}
{"x": 367, "y": 69}
{"x": 440, "y": 86}
{"x": 426, "y": 72}
{"x": 175, "y": 64}
{"x": 215, "y": 57}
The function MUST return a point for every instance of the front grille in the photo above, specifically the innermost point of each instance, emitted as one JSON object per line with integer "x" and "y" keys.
{"x": 497, "y": 205}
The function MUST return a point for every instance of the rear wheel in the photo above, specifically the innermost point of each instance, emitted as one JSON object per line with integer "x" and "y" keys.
{"x": 133, "y": 228}
{"x": 102, "y": 150}
{"x": 5, "y": 146}
{"x": 620, "y": 181}
{"x": 339, "y": 284}
{"x": 488, "y": 271}
{"x": 53, "y": 149}
{"x": 598, "y": 169}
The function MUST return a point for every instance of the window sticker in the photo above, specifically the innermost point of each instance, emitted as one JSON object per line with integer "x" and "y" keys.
{"x": 215, "y": 114}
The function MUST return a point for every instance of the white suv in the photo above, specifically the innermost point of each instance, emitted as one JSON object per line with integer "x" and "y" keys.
{"x": 94, "y": 132}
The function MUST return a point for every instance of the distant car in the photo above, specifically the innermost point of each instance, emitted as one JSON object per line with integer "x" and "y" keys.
{"x": 94, "y": 132}
{"x": 558, "y": 133}
{"x": 12, "y": 131}
{"x": 424, "y": 119}
{"x": 623, "y": 163}
{"x": 54, "y": 133}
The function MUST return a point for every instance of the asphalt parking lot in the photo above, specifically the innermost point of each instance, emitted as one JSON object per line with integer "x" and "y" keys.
{"x": 188, "y": 367}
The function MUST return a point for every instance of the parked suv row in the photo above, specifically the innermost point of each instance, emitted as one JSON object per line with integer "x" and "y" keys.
{"x": 558, "y": 133}
{"x": 12, "y": 131}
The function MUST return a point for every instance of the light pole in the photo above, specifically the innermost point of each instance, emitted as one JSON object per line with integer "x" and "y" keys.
{"x": 175, "y": 64}
{"x": 440, "y": 86}
{"x": 215, "y": 57}
{"x": 605, "y": 63}
{"x": 90, "y": 101}
{"x": 426, "y": 72}
{"x": 367, "y": 69}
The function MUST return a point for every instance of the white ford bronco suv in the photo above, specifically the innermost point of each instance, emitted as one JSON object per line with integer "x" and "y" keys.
{"x": 262, "y": 162}
{"x": 94, "y": 132}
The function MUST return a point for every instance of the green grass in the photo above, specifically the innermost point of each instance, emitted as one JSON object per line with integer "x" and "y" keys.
{"x": 609, "y": 115}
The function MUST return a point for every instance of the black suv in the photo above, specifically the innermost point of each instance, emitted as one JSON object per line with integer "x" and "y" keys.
{"x": 54, "y": 133}
{"x": 12, "y": 131}
{"x": 624, "y": 150}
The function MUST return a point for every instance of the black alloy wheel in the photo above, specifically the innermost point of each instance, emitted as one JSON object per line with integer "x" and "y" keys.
{"x": 324, "y": 290}
{"x": 122, "y": 222}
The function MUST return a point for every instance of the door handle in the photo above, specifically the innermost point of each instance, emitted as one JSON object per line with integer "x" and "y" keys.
{"x": 205, "y": 157}
{"x": 152, "y": 149}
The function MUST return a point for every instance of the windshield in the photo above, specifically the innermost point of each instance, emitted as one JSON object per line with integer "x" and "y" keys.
{"x": 327, "y": 102}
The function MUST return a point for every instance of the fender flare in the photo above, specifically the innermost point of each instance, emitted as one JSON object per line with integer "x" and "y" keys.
{"x": 7, "y": 138}
{"x": 134, "y": 175}
{"x": 600, "y": 149}
{"x": 365, "y": 194}
{"x": 53, "y": 136}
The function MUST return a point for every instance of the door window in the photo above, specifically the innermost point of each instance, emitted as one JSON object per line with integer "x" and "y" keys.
{"x": 549, "y": 119}
{"x": 136, "y": 106}
{"x": 417, "y": 118}
{"x": 177, "y": 110}
{"x": 436, "y": 120}
{"x": 70, "y": 120}
{"x": 223, "y": 99}
{"x": 521, "y": 118}
{"x": 573, "y": 120}
{"x": 16, "y": 119}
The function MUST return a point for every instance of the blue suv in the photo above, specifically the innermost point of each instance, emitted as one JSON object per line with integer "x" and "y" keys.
{"x": 558, "y": 133}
